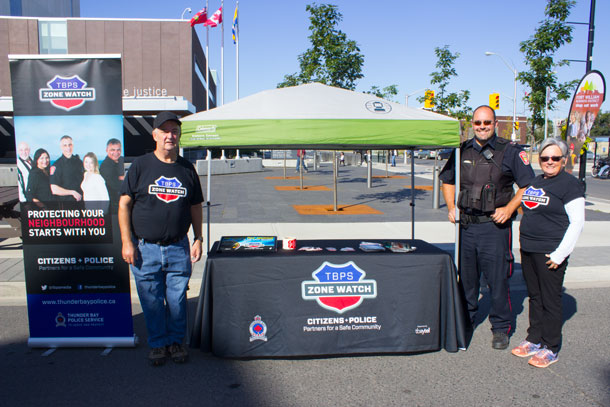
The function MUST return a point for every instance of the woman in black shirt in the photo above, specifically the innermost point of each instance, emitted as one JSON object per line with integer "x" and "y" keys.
{"x": 39, "y": 188}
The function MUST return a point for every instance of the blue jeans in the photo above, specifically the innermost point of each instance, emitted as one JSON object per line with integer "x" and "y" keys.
{"x": 162, "y": 274}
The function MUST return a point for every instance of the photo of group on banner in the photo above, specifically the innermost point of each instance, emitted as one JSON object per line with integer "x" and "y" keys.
{"x": 69, "y": 178}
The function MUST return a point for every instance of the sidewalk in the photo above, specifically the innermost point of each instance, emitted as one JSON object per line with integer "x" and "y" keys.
{"x": 249, "y": 204}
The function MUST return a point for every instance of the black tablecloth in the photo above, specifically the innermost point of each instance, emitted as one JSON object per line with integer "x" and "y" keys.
{"x": 297, "y": 303}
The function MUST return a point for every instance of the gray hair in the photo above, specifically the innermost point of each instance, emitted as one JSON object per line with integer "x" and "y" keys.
{"x": 554, "y": 142}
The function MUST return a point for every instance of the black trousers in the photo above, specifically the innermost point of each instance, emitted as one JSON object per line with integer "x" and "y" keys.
{"x": 544, "y": 287}
{"x": 487, "y": 248}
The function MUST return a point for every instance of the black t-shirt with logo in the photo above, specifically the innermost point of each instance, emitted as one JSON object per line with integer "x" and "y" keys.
{"x": 545, "y": 221}
{"x": 68, "y": 174}
{"x": 162, "y": 194}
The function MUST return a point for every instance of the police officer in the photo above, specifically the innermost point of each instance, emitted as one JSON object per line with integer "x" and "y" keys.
{"x": 67, "y": 173}
{"x": 489, "y": 166}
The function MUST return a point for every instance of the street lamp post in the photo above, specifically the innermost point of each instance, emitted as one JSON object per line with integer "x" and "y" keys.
{"x": 514, "y": 71}
{"x": 411, "y": 94}
{"x": 186, "y": 10}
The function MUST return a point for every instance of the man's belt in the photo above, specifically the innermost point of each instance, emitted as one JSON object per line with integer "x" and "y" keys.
{"x": 466, "y": 219}
{"x": 161, "y": 242}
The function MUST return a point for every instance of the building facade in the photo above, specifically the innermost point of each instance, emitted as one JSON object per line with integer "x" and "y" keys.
{"x": 163, "y": 67}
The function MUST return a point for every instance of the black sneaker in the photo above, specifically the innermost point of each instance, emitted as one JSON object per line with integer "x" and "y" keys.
{"x": 157, "y": 356}
{"x": 177, "y": 352}
{"x": 500, "y": 340}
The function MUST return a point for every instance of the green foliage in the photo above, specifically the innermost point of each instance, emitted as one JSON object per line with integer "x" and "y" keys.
{"x": 539, "y": 51}
{"x": 451, "y": 103}
{"x": 601, "y": 126}
{"x": 332, "y": 59}
{"x": 386, "y": 93}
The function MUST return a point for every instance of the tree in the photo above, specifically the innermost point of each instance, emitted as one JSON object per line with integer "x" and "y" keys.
{"x": 332, "y": 59}
{"x": 454, "y": 104}
{"x": 386, "y": 93}
{"x": 539, "y": 51}
{"x": 601, "y": 126}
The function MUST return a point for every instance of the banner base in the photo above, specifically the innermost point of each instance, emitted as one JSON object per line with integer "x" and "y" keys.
{"x": 102, "y": 342}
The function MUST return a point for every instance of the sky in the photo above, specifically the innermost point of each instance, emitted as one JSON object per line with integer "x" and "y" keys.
{"x": 396, "y": 37}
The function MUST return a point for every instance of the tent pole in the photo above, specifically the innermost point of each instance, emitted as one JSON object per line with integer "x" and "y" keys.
{"x": 369, "y": 169}
{"x": 301, "y": 162}
{"x": 456, "y": 252}
{"x": 284, "y": 164}
{"x": 335, "y": 178}
{"x": 412, "y": 196}
{"x": 207, "y": 203}
{"x": 387, "y": 161}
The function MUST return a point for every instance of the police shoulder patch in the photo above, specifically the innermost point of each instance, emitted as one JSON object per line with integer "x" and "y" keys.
{"x": 524, "y": 157}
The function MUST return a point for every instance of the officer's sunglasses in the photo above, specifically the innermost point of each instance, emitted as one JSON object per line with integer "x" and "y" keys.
{"x": 555, "y": 158}
{"x": 485, "y": 122}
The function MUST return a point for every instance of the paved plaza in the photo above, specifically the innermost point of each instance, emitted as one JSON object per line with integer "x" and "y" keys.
{"x": 251, "y": 204}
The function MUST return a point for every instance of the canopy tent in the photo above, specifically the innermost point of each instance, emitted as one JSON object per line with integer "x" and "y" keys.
{"x": 320, "y": 117}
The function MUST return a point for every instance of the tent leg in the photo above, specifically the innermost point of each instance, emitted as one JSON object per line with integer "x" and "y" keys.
{"x": 412, "y": 197}
{"x": 335, "y": 179}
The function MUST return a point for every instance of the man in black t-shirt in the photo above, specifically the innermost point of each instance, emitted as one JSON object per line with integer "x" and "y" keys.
{"x": 160, "y": 199}
{"x": 67, "y": 173}
{"x": 112, "y": 169}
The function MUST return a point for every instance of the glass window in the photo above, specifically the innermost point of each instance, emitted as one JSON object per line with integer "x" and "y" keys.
{"x": 53, "y": 37}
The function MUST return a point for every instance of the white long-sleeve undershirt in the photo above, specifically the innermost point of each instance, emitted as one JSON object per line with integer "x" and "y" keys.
{"x": 575, "y": 209}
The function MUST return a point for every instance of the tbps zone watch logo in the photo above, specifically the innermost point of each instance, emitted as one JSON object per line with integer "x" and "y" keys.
{"x": 534, "y": 197}
{"x": 67, "y": 93}
{"x": 167, "y": 189}
{"x": 339, "y": 287}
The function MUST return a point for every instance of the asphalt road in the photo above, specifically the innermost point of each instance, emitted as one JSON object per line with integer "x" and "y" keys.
{"x": 479, "y": 376}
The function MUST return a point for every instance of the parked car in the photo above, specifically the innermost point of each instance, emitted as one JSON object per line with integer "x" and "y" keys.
{"x": 424, "y": 154}
{"x": 444, "y": 153}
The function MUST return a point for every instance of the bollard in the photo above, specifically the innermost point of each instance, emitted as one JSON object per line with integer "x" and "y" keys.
{"x": 436, "y": 189}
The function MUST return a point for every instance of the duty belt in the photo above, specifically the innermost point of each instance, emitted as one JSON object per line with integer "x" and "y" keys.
{"x": 161, "y": 242}
{"x": 466, "y": 219}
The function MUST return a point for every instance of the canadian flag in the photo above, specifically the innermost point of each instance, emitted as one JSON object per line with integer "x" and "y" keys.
{"x": 215, "y": 19}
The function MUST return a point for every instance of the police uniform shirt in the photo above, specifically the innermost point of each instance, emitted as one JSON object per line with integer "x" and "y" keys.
{"x": 515, "y": 162}
{"x": 162, "y": 195}
{"x": 68, "y": 173}
{"x": 111, "y": 171}
{"x": 545, "y": 220}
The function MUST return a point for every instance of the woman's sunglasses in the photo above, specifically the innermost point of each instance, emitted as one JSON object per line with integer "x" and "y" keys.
{"x": 485, "y": 122}
{"x": 555, "y": 158}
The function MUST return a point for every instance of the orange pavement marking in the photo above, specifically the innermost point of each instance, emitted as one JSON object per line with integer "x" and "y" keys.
{"x": 305, "y": 188}
{"x": 390, "y": 176}
{"x": 341, "y": 210}
{"x": 291, "y": 177}
{"x": 421, "y": 187}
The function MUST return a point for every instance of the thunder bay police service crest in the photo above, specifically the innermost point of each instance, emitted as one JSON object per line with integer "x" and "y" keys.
{"x": 339, "y": 287}
{"x": 167, "y": 189}
{"x": 67, "y": 93}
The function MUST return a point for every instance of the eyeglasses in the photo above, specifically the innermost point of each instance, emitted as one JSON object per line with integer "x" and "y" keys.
{"x": 485, "y": 122}
{"x": 555, "y": 158}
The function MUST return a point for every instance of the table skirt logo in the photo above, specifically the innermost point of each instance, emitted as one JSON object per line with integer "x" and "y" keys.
{"x": 339, "y": 287}
{"x": 258, "y": 330}
{"x": 422, "y": 330}
{"x": 167, "y": 189}
{"x": 534, "y": 197}
{"x": 67, "y": 93}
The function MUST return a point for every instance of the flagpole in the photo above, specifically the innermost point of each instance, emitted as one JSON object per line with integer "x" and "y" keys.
{"x": 222, "y": 54}
{"x": 207, "y": 62}
{"x": 237, "y": 53}
{"x": 236, "y": 28}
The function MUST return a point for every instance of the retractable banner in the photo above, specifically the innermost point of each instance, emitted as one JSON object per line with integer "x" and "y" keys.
{"x": 585, "y": 107}
{"x": 69, "y": 137}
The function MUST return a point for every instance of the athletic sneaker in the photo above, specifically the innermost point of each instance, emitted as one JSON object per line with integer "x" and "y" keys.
{"x": 177, "y": 352}
{"x": 157, "y": 356}
{"x": 526, "y": 349}
{"x": 543, "y": 358}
